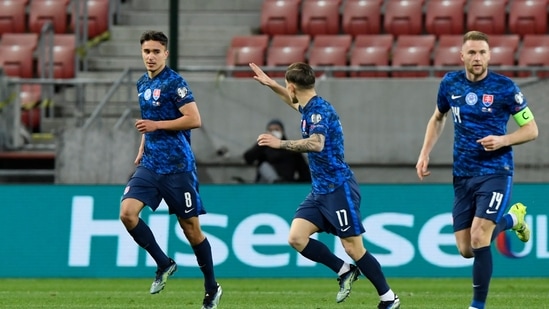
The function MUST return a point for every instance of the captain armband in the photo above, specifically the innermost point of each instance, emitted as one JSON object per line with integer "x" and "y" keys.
{"x": 524, "y": 116}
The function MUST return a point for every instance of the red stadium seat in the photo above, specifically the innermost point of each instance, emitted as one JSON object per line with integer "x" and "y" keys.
{"x": 242, "y": 56}
{"x": 410, "y": 57}
{"x": 301, "y": 41}
{"x": 343, "y": 41}
{"x": 17, "y": 61}
{"x": 29, "y": 40}
{"x": 528, "y": 17}
{"x": 245, "y": 49}
{"x": 534, "y": 57}
{"x": 41, "y": 11}
{"x": 280, "y": 17}
{"x": 502, "y": 56}
{"x": 282, "y": 57}
{"x": 367, "y": 58}
{"x": 361, "y": 17}
{"x": 98, "y": 17}
{"x": 487, "y": 16}
{"x": 64, "y": 56}
{"x": 320, "y": 17}
{"x": 378, "y": 40}
{"x": 403, "y": 17}
{"x": 447, "y": 53}
{"x": 426, "y": 41}
{"x": 445, "y": 17}
{"x": 328, "y": 56}
{"x": 505, "y": 40}
{"x": 12, "y": 17}
{"x": 534, "y": 40}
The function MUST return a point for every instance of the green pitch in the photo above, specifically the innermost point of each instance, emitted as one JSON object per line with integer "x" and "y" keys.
{"x": 264, "y": 293}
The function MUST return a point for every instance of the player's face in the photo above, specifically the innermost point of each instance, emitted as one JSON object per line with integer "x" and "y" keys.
{"x": 154, "y": 56}
{"x": 475, "y": 56}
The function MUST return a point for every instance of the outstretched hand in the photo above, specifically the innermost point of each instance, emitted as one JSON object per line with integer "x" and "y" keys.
{"x": 269, "y": 140}
{"x": 260, "y": 76}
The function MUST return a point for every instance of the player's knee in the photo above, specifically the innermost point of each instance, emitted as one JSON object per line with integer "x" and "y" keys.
{"x": 466, "y": 252}
{"x": 297, "y": 242}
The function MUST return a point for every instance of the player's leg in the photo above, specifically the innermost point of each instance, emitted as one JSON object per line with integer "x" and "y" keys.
{"x": 139, "y": 192}
{"x": 181, "y": 194}
{"x": 492, "y": 194}
{"x": 463, "y": 213}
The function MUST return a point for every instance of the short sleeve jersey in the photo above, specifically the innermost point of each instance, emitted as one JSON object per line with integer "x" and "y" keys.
{"x": 480, "y": 109}
{"x": 328, "y": 167}
{"x": 160, "y": 98}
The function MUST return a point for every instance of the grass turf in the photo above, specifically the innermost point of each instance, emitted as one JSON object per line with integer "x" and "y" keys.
{"x": 265, "y": 293}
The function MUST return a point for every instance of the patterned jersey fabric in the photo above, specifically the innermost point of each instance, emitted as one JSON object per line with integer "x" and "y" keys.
{"x": 166, "y": 152}
{"x": 328, "y": 167}
{"x": 480, "y": 109}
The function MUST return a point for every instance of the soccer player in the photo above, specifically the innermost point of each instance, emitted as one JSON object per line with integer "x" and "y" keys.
{"x": 166, "y": 166}
{"x": 333, "y": 206}
{"x": 481, "y": 102}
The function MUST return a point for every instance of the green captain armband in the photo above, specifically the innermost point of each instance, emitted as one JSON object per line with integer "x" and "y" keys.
{"x": 524, "y": 116}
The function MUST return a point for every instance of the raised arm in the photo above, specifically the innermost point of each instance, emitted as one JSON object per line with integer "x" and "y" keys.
{"x": 265, "y": 80}
{"x": 314, "y": 143}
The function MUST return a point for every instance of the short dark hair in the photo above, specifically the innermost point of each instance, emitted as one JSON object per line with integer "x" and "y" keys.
{"x": 301, "y": 74}
{"x": 152, "y": 35}
{"x": 475, "y": 36}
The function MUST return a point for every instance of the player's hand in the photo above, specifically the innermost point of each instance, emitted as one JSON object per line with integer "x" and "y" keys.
{"x": 260, "y": 76}
{"x": 138, "y": 158}
{"x": 422, "y": 167}
{"x": 145, "y": 126}
{"x": 492, "y": 142}
{"x": 267, "y": 139}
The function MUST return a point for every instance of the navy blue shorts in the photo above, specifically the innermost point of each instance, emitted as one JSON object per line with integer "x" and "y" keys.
{"x": 337, "y": 212}
{"x": 482, "y": 196}
{"x": 180, "y": 191}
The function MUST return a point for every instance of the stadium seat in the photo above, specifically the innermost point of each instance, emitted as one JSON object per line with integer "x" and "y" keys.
{"x": 410, "y": 56}
{"x": 361, "y": 17}
{"x": 447, "y": 53}
{"x": 245, "y": 49}
{"x": 502, "y": 56}
{"x": 242, "y": 56}
{"x": 444, "y": 17}
{"x": 279, "y": 17}
{"x": 12, "y": 17}
{"x": 41, "y": 11}
{"x": 377, "y": 40}
{"x": 298, "y": 40}
{"x": 320, "y": 17}
{"x": 28, "y": 40}
{"x": 64, "y": 57}
{"x": 98, "y": 17}
{"x": 282, "y": 57}
{"x": 403, "y": 17}
{"x": 426, "y": 41}
{"x": 30, "y": 96}
{"x": 487, "y": 16}
{"x": 534, "y": 40}
{"x": 534, "y": 57}
{"x": 343, "y": 41}
{"x": 528, "y": 17}
{"x": 505, "y": 40}
{"x": 17, "y": 61}
{"x": 367, "y": 58}
{"x": 328, "y": 56}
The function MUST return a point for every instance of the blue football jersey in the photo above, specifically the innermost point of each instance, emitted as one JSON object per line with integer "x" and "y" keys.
{"x": 166, "y": 152}
{"x": 480, "y": 109}
{"x": 328, "y": 167}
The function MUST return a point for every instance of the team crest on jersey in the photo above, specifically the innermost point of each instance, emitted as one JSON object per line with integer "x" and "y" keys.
{"x": 156, "y": 94}
{"x": 487, "y": 99}
{"x": 519, "y": 98}
{"x": 315, "y": 118}
{"x": 471, "y": 98}
{"x": 147, "y": 94}
{"x": 182, "y": 92}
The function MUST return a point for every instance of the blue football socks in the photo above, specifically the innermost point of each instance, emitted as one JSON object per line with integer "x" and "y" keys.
{"x": 482, "y": 273}
{"x": 203, "y": 253}
{"x": 318, "y": 252}
{"x": 370, "y": 267}
{"x": 144, "y": 237}
{"x": 505, "y": 223}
